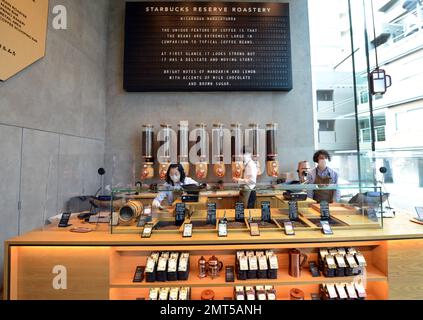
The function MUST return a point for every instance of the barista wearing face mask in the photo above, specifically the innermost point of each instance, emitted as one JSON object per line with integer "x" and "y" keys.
{"x": 175, "y": 179}
{"x": 249, "y": 180}
{"x": 323, "y": 175}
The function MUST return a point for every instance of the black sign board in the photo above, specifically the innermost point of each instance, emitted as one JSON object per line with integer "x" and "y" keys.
{"x": 265, "y": 211}
{"x": 207, "y": 46}
{"x": 293, "y": 210}
{"x": 239, "y": 211}
{"x": 324, "y": 210}
{"x": 211, "y": 213}
{"x": 179, "y": 214}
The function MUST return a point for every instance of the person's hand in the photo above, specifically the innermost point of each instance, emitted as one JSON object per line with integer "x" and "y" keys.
{"x": 156, "y": 204}
{"x": 236, "y": 180}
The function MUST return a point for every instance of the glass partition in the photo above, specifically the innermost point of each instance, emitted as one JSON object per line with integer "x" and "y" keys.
{"x": 345, "y": 207}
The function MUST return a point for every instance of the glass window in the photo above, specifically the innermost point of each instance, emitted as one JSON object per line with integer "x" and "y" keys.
{"x": 324, "y": 95}
{"x": 326, "y": 125}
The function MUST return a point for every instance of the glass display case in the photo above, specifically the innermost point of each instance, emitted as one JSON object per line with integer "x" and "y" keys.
{"x": 346, "y": 207}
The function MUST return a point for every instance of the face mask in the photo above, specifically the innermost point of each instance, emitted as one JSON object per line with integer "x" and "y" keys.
{"x": 323, "y": 163}
{"x": 176, "y": 178}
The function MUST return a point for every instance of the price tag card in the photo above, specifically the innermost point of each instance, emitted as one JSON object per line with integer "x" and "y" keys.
{"x": 239, "y": 211}
{"x": 289, "y": 228}
{"x": 179, "y": 213}
{"x": 326, "y": 228}
{"x": 146, "y": 232}
{"x": 211, "y": 213}
{"x": 254, "y": 229}
{"x": 324, "y": 210}
{"x": 293, "y": 210}
{"x": 187, "y": 230}
{"x": 265, "y": 211}
{"x": 222, "y": 229}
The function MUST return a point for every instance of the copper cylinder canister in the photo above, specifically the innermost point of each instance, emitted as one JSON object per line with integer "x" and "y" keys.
{"x": 254, "y": 142}
{"x": 272, "y": 163}
{"x": 164, "y": 149}
{"x": 201, "y": 167}
{"x": 237, "y": 165}
{"x": 147, "y": 170}
{"x": 218, "y": 141}
{"x": 183, "y": 145}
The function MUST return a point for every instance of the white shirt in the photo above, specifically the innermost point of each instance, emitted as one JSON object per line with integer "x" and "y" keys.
{"x": 250, "y": 175}
{"x": 177, "y": 186}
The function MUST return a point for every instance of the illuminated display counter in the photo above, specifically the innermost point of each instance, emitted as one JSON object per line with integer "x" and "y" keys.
{"x": 58, "y": 263}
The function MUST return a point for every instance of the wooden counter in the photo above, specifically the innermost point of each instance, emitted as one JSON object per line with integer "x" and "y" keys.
{"x": 100, "y": 265}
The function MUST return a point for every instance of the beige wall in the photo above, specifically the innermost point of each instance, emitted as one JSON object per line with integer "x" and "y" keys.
{"x": 52, "y": 122}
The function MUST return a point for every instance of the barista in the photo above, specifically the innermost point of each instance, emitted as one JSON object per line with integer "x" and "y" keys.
{"x": 303, "y": 171}
{"x": 323, "y": 175}
{"x": 249, "y": 180}
{"x": 175, "y": 179}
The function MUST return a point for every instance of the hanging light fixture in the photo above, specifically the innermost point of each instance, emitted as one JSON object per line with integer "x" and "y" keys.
{"x": 379, "y": 80}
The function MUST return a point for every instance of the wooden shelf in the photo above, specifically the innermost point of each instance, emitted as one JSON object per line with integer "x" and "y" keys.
{"x": 125, "y": 281}
{"x": 375, "y": 291}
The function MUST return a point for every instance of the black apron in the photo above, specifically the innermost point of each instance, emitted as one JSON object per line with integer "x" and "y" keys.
{"x": 323, "y": 195}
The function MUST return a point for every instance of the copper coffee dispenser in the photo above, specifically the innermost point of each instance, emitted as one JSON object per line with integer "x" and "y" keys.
{"x": 218, "y": 141}
{"x": 297, "y": 260}
{"x": 201, "y": 167}
{"x": 236, "y": 151}
{"x": 164, "y": 156}
{"x": 255, "y": 143}
{"x": 147, "y": 171}
{"x": 272, "y": 163}
{"x": 183, "y": 141}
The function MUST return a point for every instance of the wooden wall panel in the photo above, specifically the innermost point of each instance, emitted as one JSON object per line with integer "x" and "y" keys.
{"x": 405, "y": 266}
{"x": 87, "y": 273}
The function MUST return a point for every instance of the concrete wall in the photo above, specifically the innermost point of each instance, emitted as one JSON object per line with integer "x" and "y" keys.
{"x": 126, "y": 112}
{"x": 52, "y": 122}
